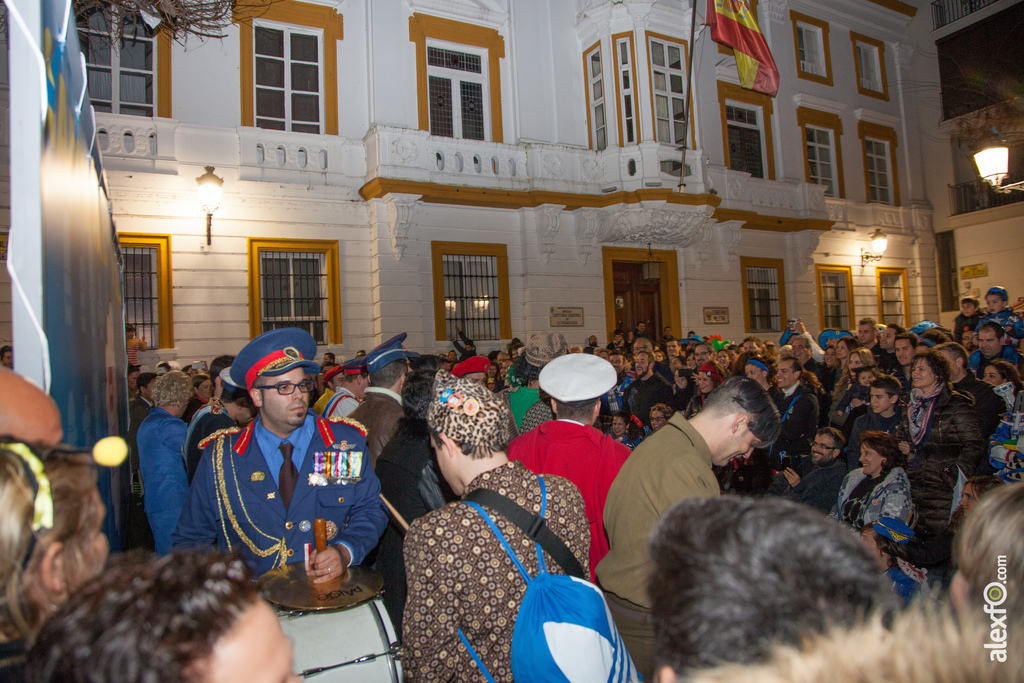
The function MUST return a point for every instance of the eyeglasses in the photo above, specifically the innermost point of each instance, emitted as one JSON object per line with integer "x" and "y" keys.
{"x": 824, "y": 445}
{"x": 288, "y": 388}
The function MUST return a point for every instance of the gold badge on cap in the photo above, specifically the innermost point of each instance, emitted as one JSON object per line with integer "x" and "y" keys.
{"x": 292, "y": 352}
{"x": 257, "y": 476}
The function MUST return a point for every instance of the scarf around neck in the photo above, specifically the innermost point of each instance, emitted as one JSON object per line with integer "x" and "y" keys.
{"x": 919, "y": 413}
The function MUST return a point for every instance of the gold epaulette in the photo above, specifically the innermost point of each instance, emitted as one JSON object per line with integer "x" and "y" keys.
{"x": 350, "y": 422}
{"x": 217, "y": 434}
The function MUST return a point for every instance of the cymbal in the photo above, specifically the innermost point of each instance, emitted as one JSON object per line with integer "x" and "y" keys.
{"x": 289, "y": 587}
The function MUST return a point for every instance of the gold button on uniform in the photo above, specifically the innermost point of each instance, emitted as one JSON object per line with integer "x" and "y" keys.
{"x": 342, "y": 499}
{"x": 291, "y": 552}
{"x": 288, "y": 525}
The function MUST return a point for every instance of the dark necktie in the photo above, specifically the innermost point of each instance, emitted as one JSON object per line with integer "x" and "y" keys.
{"x": 288, "y": 476}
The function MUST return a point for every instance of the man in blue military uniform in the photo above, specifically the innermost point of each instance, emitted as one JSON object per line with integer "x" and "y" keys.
{"x": 258, "y": 489}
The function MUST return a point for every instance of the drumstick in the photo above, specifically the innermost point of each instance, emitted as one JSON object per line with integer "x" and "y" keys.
{"x": 394, "y": 513}
{"x": 320, "y": 533}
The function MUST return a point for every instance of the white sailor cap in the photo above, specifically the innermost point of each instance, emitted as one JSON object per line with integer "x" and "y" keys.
{"x": 577, "y": 377}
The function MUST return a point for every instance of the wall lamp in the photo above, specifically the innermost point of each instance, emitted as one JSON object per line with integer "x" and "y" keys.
{"x": 993, "y": 162}
{"x": 209, "y": 197}
{"x": 878, "y": 244}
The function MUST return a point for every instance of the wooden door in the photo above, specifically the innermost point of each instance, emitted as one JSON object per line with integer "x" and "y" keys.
{"x": 640, "y": 299}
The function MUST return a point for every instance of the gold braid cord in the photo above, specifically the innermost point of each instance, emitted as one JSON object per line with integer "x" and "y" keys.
{"x": 350, "y": 422}
{"x": 224, "y": 506}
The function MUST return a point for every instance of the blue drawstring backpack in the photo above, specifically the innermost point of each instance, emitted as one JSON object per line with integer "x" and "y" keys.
{"x": 564, "y": 631}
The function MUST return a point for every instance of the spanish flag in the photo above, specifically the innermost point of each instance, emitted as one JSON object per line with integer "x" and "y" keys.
{"x": 734, "y": 25}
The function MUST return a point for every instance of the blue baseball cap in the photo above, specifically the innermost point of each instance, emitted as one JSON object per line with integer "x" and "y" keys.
{"x": 274, "y": 353}
{"x": 892, "y": 528}
{"x": 830, "y": 333}
{"x": 387, "y": 353}
{"x": 999, "y": 291}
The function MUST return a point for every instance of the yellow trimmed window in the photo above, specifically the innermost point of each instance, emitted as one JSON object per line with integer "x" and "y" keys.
{"x": 626, "y": 90}
{"x": 835, "y": 297}
{"x": 893, "y": 303}
{"x": 131, "y": 75}
{"x": 813, "y": 56}
{"x": 146, "y": 262}
{"x": 289, "y": 67}
{"x": 746, "y": 130}
{"x": 869, "y": 58}
{"x": 471, "y": 291}
{"x": 823, "y": 153}
{"x": 881, "y": 177}
{"x": 668, "y": 87}
{"x": 295, "y": 283}
{"x": 458, "y": 78}
{"x": 597, "y": 116}
{"x": 764, "y": 294}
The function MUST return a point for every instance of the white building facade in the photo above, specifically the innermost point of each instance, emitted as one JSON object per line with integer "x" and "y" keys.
{"x": 512, "y": 166}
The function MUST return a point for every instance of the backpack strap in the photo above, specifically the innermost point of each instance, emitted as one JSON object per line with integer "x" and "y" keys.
{"x": 534, "y": 526}
{"x": 476, "y": 658}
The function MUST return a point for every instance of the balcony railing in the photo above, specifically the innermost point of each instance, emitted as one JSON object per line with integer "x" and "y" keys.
{"x": 947, "y": 11}
{"x": 977, "y": 195}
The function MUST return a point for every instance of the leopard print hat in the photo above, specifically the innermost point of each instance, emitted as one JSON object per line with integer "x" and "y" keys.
{"x": 469, "y": 413}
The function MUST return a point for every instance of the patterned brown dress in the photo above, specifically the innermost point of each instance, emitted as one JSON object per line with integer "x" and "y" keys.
{"x": 459, "y": 576}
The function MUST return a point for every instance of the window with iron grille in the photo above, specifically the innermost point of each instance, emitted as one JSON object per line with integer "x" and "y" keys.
{"x": 121, "y": 77}
{"x": 293, "y": 292}
{"x": 892, "y": 296}
{"x": 471, "y": 290}
{"x": 745, "y": 149}
{"x": 668, "y": 78}
{"x": 288, "y": 76}
{"x": 146, "y": 273}
{"x": 765, "y": 299}
{"x": 834, "y": 297}
{"x": 141, "y": 293}
{"x": 595, "y": 95}
{"x": 458, "y": 92}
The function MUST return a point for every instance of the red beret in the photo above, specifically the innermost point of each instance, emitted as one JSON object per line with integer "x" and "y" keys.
{"x": 474, "y": 364}
{"x": 329, "y": 375}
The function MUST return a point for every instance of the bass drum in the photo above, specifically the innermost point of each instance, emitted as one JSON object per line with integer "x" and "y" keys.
{"x": 354, "y": 645}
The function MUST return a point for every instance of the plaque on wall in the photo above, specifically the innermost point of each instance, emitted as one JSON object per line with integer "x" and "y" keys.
{"x": 565, "y": 316}
{"x": 975, "y": 271}
{"x": 716, "y": 316}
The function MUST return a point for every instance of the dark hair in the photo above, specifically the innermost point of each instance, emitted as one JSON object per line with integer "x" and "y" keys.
{"x": 493, "y": 356}
{"x": 744, "y": 395}
{"x": 909, "y": 336}
{"x": 837, "y": 436}
{"x": 6, "y": 348}
{"x": 239, "y": 396}
{"x": 1008, "y": 372}
{"x": 634, "y": 431}
{"x": 580, "y": 411}
{"x": 850, "y": 343}
{"x": 426, "y": 361}
{"x": 133, "y": 368}
{"x": 666, "y": 410}
{"x": 734, "y": 575}
{"x": 983, "y": 483}
{"x": 524, "y": 371}
{"x": 143, "y": 619}
{"x": 863, "y": 368}
{"x": 895, "y": 551}
{"x": 888, "y": 384}
{"x": 899, "y": 328}
{"x": 218, "y": 364}
{"x": 797, "y": 365}
{"x": 955, "y": 350}
{"x": 937, "y": 335}
{"x": 937, "y": 362}
{"x": 389, "y": 374}
{"x": 145, "y": 379}
{"x": 969, "y": 300}
{"x": 886, "y": 446}
{"x": 417, "y": 393}
{"x": 992, "y": 326}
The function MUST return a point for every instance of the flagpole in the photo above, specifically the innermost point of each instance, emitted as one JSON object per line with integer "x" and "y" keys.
{"x": 689, "y": 94}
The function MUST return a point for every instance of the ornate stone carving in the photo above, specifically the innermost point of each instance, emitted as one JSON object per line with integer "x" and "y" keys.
{"x": 587, "y": 222}
{"x": 804, "y": 244}
{"x": 553, "y": 165}
{"x": 401, "y": 214}
{"x": 730, "y": 232}
{"x": 836, "y": 211}
{"x": 127, "y": 141}
{"x": 889, "y": 218}
{"x": 778, "y": 10}
{"x": 548, "y": 218}
{"x": 593, "y": 169}
{"x": 676, "y": 224}
{"x": 405, "y": 149}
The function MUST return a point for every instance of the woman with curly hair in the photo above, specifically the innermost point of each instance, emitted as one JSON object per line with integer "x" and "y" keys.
{"x": 879, "y": 488}
{"x": 1005, "y": 381}
{"x": 163, "y": 470}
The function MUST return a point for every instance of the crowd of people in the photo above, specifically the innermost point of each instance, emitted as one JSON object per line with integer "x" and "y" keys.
{"x": 737, "y": 507}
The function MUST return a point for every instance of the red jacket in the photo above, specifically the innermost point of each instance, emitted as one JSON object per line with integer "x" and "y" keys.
{"x": 583, "y": 455}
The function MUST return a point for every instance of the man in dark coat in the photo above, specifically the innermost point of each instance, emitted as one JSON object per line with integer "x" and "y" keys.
{"x": 819, "y": 487}
{"x": 798, "y": 408}
{"x": 647, "y": 391}
{"x": 381, "y": 408}
{"x": 988, "y": 406}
